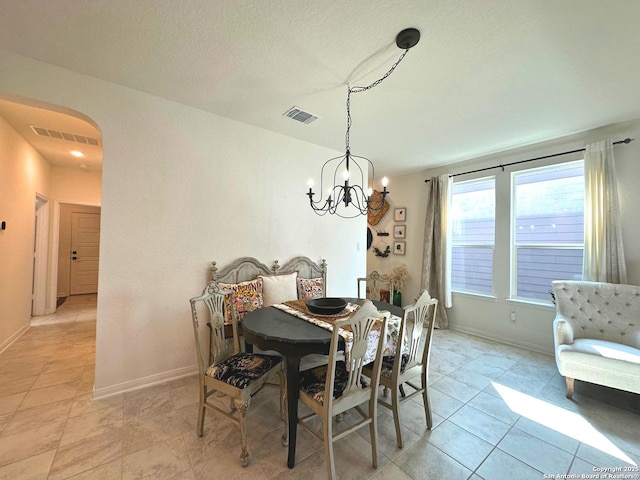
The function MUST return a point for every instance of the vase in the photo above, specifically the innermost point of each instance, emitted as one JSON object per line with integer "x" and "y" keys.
{"x": 397, "y": 299}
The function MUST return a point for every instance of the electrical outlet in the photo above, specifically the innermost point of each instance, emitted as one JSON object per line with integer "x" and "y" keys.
{"x": 513, "y": 316}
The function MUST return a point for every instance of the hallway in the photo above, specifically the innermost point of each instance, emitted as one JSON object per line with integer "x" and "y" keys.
{"x": 76, "y": 308}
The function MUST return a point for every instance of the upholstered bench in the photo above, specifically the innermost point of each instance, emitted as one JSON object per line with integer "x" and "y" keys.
{"x": 255, "y": 285}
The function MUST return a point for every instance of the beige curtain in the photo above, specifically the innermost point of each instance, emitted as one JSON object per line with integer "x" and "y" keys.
{"x": 436, "y": 260}
{"x": 603, "y": 249}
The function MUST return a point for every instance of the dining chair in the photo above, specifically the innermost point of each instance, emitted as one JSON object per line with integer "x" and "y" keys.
{"x": 231, "y": 372}
{"x": 416, "y": 329}
{"x": 374, "y": 284}
{"x": 330, "y": 390}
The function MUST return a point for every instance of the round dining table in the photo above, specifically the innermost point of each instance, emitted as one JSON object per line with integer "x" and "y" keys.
{"x": 270, "y": 328}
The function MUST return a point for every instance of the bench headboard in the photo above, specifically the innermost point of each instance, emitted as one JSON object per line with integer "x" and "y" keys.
{"x": 248, "y": 268}
{"x": 240, "y": 270}
{"x": 304, "y": 266}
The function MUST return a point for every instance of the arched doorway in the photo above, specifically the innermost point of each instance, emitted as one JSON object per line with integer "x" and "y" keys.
{"x": 59, "y": 152}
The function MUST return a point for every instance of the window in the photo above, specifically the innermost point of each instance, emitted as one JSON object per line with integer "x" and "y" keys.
{"x": 547, "y": 228}
{"x": 473, "y": 235}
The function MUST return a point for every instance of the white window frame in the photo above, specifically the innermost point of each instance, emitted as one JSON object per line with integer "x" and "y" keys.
{"x": 491, "y": 246}
{"x": 513, "y": 257}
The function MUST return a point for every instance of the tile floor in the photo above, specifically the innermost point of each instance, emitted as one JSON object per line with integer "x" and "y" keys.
{"x": 500, "y": 412}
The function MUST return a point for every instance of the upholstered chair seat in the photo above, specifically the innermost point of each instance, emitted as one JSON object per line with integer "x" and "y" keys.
{"x": 242, "y": 368}
{"x": 312, "y": 382}
{"x": 387, "y": 364}
{"x": 226, "y": 370}
{"x": 332, "y": 389}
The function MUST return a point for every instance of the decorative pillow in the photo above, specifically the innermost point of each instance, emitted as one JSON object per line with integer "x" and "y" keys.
{"x": 309, "y": 288}
{"x": 279, "y": 288}
{"x": 247, "y": 296}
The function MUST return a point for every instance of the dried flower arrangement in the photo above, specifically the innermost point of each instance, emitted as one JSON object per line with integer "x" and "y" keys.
{"x": 400, "y": 276}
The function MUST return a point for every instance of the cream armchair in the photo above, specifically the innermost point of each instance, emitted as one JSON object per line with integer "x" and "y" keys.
{"x": 597, "y": 334}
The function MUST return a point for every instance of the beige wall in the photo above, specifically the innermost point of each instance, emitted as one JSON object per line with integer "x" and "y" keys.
{"x": 180, "y": 188}
{"x": 397, "y": 198}
{"x": 405, "y": 192}
{"x": 490, "y": 317}
{"x": 73, "y": 185}
{"x": 23, "y": 173}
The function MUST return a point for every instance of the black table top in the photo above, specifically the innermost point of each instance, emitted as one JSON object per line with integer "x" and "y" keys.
{"x": 272, "y": 329}
{"x": 276, "y": 325}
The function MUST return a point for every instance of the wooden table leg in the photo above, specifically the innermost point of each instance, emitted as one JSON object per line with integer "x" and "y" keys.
{"x": 293, "y": 375}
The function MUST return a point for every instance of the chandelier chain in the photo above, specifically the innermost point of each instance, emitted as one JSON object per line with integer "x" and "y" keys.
{"x": 354, "y": 195}
{"x": 358, "y": 89}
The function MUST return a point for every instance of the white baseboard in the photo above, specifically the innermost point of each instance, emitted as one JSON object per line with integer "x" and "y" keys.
{"x": 7, "y": 343}
{"x": 176, "y": 374}
{"x": 479, "y": 333}
{"x": 144, "y": 382}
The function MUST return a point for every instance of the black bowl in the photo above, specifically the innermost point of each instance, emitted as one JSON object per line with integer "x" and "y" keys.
{"x": 326, "y": 305}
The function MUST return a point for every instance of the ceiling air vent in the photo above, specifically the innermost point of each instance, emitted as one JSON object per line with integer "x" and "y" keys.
{"x": 47, "y": 132}
{"x": 296, "y": 113}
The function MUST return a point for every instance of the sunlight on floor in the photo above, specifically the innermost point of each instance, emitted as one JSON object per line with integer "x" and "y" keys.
{"x": 556, "y": 418}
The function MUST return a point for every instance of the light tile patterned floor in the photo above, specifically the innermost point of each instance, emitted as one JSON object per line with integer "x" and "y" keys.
{"x": 500, "y": 412}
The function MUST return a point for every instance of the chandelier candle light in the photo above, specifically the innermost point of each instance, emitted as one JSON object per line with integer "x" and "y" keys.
{"x": 349, "y": 199}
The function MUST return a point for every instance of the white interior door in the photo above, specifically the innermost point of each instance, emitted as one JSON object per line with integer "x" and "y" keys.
{"x": 85, "y": 249}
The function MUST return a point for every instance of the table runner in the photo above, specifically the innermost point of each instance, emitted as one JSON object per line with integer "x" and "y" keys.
{"x": 298, "y": 309}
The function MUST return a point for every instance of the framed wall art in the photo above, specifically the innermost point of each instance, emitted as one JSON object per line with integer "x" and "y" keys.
{"x": 398, "y": 248}
{"x": 399, "y": 231}
{"x": 400, "y": 214}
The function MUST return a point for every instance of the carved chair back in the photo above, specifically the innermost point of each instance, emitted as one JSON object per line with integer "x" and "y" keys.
{"x": 374, "y": 284}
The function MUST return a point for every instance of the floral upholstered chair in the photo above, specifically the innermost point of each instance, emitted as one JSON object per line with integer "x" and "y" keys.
{"x": 231, "y": 372}
{"x": 329, "y": 390}
{"x": 416, "y": 329}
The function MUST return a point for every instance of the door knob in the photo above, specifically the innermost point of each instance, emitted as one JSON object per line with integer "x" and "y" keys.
{"x": 73, "y": 255}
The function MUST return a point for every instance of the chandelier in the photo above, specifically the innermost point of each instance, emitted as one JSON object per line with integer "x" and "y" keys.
{"x": 352, "y": 196}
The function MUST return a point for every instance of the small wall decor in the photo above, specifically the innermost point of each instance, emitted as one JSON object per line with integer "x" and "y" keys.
{"x": 398, "y": 248}
{"x": 399, "y": 231}
{"x": 380, "y": 253}
{"x": 380, "y": 207}
{"x": 400, "y": 214}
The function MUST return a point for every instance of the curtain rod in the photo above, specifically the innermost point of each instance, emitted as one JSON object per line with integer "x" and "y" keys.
{"x": 626, "y": 140}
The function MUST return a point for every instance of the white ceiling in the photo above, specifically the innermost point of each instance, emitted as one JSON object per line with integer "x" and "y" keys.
{"x": 22, "y": 116}
{"x": 486, "y": 76}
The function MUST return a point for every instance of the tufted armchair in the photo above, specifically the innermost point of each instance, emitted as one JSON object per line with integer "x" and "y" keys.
{"x": 597, "y": 334}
